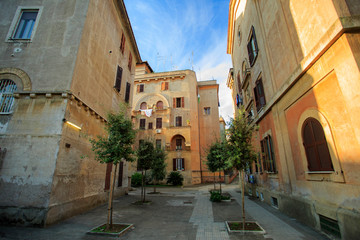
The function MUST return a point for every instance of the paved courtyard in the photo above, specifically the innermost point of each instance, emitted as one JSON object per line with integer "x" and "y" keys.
{"x": 176, "y": 213}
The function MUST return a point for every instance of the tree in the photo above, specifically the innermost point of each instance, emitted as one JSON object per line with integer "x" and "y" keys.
{"x": 145, "y": 156}
{"x": 242, "y": 153}
{"x": 115, "y": 147}
{"x": 217, "y": 157}
{"x": 158, "y": 169}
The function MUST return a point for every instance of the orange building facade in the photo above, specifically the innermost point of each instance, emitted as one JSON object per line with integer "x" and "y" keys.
{"x": 296, "y": 72}
{"x": 179, "y": 114}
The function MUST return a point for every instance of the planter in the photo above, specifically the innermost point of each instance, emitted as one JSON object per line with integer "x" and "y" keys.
{"x": 251, "y": 227}
{"x": 118, "y": 229}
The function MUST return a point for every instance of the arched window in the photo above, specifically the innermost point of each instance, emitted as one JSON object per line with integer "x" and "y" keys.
{"x": 7, "y": 88}
{"x": 316, "y": 148}
{"x": 177, "y": 143}
{"x": 143, "y": 106}
{"x": 159, "y": 105}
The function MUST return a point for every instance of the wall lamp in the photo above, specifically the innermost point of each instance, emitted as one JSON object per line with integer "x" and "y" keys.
{"x": 71, "y": 124}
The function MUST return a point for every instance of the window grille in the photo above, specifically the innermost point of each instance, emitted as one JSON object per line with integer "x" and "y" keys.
{"x": 7, "y": 88}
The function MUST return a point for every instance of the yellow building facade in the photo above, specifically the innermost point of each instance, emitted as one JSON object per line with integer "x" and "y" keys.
{"x": 179, "y": 114}
{"x": 296, "y": 72}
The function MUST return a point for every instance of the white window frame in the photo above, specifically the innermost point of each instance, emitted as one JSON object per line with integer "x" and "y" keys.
{"x": 14, "y": 23}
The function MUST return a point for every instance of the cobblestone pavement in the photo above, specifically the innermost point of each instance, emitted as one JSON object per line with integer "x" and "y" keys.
{"x": 202, "y": 217}
{"x": 176, "y": 213}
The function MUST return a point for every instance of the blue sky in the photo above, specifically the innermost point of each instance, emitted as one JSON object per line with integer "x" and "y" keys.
{"x": 185, "y": 34}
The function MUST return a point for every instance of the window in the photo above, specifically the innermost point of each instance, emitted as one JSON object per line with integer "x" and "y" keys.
{"x": 178, "y": 121}
{"x": 158, "y": 143}
{"x": 122, "y": 44}
{"x": 150, "y": 125}
{"x": 207, "y": 110}
{"x": 127, "y": 93}
{"x": 178, "y": 164}
{"x": 164, "y": 86}
{"x": 159, "y": 105}
{"x": 7, "y": 88}
{"x": 259, "y": 95}
{"x": 158, "y": 123}
{"x": 118, "y": 79}
{"x": 25, "y": 25}
{"x": 179, "y": 144}
{"x": 258, "y": 166}
{"x": 238, "y": 81}
{"x": 130, "y": 61}
{"x": 178, "y": 102}
{"x": 142, "y": 123}
{"x": 140, "y": 88}
{"x": 252, "y": 47}
{"x": 316, "y": 148}
{"x": 143, "y": 106}
{"x": 268, "y": 157}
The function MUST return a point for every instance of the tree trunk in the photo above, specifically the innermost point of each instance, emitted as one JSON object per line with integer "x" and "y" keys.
{"x": 144, "y": 186}
{"x": 111, "y": 195}
{"x": 214, "y": 182}
{"x": 243, "y": 197}
{"x": 220, "y": 181}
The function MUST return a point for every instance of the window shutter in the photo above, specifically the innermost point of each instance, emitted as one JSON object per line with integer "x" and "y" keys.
{"x": 166, "y": 86}
{"x": 183, "y": 163}
{"x": 174, "y": 164}
{"x": 130, "y": 61}
{"x": 138, "y": 88}
{"x": 261, "y": 93}
{"x": 127, "y": 94}
{"x": 257, "y": 102}
{"x": 118, "y": 79}
{"x": 250, "y": 53}
{"x": 122, "y": 45}
{"x": 162, "y": 86}
{"x": 108, "y": 175}
{"x": 182, "y": 102}
{"x": 174, "y": 102}
{"x": 254, "y": 38}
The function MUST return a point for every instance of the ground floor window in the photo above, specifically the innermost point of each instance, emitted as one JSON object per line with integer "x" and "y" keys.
{"x": 178, "y": 164}
{"x": 268, "y": 156}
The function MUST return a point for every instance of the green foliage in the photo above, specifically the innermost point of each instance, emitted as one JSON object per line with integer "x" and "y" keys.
{"x": 175, "y": 178}
{"x": 158, "y": 169}
{"x": 215, "y": 196}
{"x": 136, "y": 179}
{"x": 145, "y": 155}
{"x": 240, "y": 134}
{"x": 217, "y": 157}
{"x": 117, "y": 145}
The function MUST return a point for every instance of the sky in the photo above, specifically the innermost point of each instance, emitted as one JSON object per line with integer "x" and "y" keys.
{"x": 185, "y": 34}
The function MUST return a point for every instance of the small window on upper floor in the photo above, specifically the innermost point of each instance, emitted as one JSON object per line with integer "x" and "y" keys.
{"x": 143, "y": 106}
{"x": 24, "y": 24}
{"x": 122, "y": 44}
{"x": 178, "y": 121}
{"x": 130, "y": 61}
{"x": 259, "y": 95}
{"x": 142, "y": 124}
{"x": 7, "y": 88}
{"x": 140, "y": 88}
{"x": 207, "y": 110}
{"x": 159, "y": 105}
{"x": 252, "y": 47}
{"x": 118, "y": 79}
{"x": 127, "y": 93}
{"x": 178, "y": 102}
{"x": 164, "y": 86}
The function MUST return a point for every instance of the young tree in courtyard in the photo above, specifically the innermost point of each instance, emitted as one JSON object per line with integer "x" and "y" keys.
{"x": 145, "y": 156}
{"x": 158, "y": 169}
{"x": 242, "y": 153}
{"x": 217, "y": 158}
{"x": 114, "y": 148}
